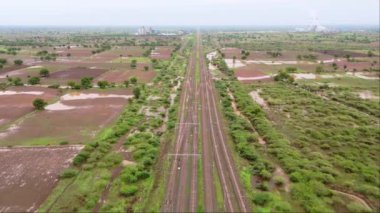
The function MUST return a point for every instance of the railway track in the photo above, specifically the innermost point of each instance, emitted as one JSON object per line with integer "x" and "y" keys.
{"x": 181, "y": 192}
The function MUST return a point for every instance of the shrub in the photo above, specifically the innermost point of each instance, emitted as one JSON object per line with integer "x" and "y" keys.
{"x": 39, "y": 104}
{"x": 262, "y": 198}
{"x": 128, "y": 191}
{"x": 68, "y": 173}
{"x": 279, "y": 181}
{"x": 284, "y": 77}
{"x": 34, "y": 80}
{"x": 103, "y": 84}
{"x": 44, "y": 72}
{"x": 54, "y": 86}
{"x": 63, "y": 143}
{"x": 18, "y": 62}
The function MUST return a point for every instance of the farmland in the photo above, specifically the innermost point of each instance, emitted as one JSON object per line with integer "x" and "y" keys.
{"x": 200, "y": 121}
{"x": 93, "y": 98}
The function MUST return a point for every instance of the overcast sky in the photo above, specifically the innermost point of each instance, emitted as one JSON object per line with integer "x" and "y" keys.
{"x": 188, "y": 12}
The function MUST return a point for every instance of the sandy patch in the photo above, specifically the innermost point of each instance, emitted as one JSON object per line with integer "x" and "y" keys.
{"x": 128, "y": 163}
{"x": 362, "y": 76}
{"x": 211, "y": 55}
{"x": 254, "y": 78}
{"x": 59, "y": 106}
{"x": 256, "y": 97}
{"x": 21, "y": 93}
{"x": 330, "y": 61}
{"x": 230, "y": 63}
{"x": 368, "y": 95}
{"x": 83, "y": 96}
{"x": 12, "y": 129}
{"x": 35, "y": 67}
{"x": 280, "y": 172}
{"x": 271, "y": 62}
{"x": 304, "y": 76}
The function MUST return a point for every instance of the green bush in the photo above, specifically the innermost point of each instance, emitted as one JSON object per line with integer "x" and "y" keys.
{"x": 68, "y": 173}
{"x": 128, "y": 191}
{"x": 262, "y": 198}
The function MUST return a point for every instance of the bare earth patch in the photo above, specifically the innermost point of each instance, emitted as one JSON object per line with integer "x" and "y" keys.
{"x": 259, "y": 100}
{"x": 368, "y": 95}
{"x": 27, "y": 175}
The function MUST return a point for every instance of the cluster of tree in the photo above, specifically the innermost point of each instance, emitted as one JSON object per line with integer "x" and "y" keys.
{"x": 307, "y": 57}
{"x": 274, "y": 54}
{"x": 15, "y": 81}
{"x": 10, "y": 50}
{"x": 85, "y": 83}
{"x": 244, "y": 54}
{"x": 46, "y": 56}
{"x": 101, "y": 48}
{"x": 3, "y": 61}
{"x": 148, "y": 52}
{"x": 18, "y": 62}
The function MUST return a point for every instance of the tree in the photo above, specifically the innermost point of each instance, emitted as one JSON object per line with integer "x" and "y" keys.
{"x": 134, "y": 63}
{"x": 44, "y": 72}
{"x": 126, "y": 84}
{"x": 146, "y": 68}
{"x": 284, "y": 76}
{"x": 137, "y": 92}
{"x": 86, "y": 82}
{"x": 17, "y": 81}
{"x": 103, "y": 84}
{"x": 319, "y": 69}
{"x": 39, "y": 104}
{"x": 133, "y": 80}
{"x": 234, "y": 59}
{"x": 18, "y": 62}
{"x": 3, "y": 61}
{"x": 34, "y": 80}
{"x": 370, "y": 53}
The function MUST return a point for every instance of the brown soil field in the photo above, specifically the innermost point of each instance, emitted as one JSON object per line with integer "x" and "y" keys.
{"x": 77, "y": 73}
{"x": 107, "y": 56}
{"x": 75, "y": 121}
{"x": 342, "y": 53}
{"x": 248, "y": 72}
{"x": 28, "y": 175}
{"x": 13, "y": 107}
{"x": 359, "y": 66}
{"x": 262, "y": 55}
{"x": 75, "y": 52}
{"x": 162, "y": 53}
{"x": 12, "y": 68}
{"x": 120, "y": 76}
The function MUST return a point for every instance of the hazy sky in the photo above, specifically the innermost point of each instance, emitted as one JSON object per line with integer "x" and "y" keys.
{"x": 188, "y": 12}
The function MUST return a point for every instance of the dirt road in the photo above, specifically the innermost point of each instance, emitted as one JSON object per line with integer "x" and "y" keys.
{"x": 181, "y": 194}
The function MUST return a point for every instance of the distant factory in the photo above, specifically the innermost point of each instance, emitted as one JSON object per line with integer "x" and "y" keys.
{"x": 146, "y": 31}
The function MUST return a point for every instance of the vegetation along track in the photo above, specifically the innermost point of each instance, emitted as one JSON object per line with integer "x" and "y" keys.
{"x": 181, "y": 194}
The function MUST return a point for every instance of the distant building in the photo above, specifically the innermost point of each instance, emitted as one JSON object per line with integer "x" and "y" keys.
{"x": 145, "y": 31}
